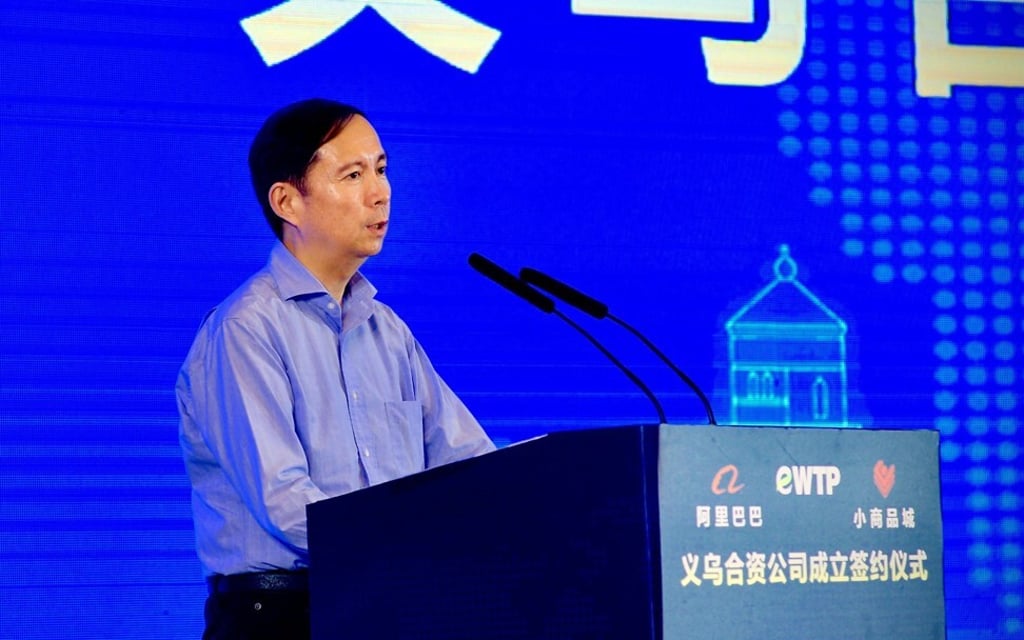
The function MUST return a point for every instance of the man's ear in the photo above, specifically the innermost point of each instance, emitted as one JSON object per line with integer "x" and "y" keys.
{"x": 286, "y": 201}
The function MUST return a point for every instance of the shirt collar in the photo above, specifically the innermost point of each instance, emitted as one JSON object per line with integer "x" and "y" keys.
{"x": 294, "y": 280}
{"x": 292, "y": 277}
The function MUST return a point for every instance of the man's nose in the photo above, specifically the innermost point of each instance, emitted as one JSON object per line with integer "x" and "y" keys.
{"x": 380, "y": 190}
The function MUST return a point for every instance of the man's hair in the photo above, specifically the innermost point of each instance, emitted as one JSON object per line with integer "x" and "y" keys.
{"x": 286, "y": 146}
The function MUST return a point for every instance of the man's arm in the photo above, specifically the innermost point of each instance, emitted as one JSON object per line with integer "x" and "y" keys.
{"x": 450, "y": 432}
{"x": 244, "y": 411}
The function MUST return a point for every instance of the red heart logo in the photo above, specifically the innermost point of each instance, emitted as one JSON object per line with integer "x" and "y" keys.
{"x": 885, "y": 477}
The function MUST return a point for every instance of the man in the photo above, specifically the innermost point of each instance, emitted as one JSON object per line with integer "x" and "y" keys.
{"x": 301, "y": 386}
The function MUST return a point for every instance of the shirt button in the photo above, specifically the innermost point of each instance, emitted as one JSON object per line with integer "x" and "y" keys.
{"x": 332, "y": 306}
{"x": 366, "y": 453}
{"x": 355, "y": 395}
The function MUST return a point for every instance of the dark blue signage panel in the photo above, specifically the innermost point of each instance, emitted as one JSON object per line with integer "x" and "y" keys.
{"x": 801, "y": 533}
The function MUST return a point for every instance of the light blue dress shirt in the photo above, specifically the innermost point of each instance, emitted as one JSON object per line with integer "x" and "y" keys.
{"x": 287, "y": 398}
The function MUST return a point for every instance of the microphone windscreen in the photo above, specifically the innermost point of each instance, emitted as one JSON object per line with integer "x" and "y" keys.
{"x": 564, "y": 292}
{"x": 504, "y": 278}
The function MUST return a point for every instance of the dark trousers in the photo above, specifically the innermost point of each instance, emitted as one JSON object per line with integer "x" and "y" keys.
{"x": 257, "y": 614}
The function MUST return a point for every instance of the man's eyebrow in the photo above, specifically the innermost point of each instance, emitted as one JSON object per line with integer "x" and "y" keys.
{"x": 359, "y": 164}
{"x": 349, "y": 165}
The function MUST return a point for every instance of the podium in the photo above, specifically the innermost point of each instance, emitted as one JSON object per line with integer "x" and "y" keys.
{"x": 658, "y": 532}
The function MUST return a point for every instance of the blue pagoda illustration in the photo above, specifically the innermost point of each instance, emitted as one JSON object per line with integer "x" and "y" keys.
{"x": 787, "y": 356}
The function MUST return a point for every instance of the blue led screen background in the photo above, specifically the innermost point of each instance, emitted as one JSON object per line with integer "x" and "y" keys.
{"x": 819, "y": 243}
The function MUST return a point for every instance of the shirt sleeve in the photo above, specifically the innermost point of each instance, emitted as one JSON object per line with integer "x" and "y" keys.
{"x": 450, "y": 432}
{"x": 246, "y": 420}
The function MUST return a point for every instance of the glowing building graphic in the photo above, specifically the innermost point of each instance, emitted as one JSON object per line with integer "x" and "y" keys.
{"x": 787, "y": 356}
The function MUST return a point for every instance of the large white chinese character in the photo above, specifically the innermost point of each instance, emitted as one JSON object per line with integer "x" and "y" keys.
{"x": 940, "y": 64}
{"x": 713, "y": 569}
{"x": 703, "y": 10}
{"x": 798, "y": 566}
{"x": 839, "y": 560}
{"x": 691, "y": 564}
{"x": 755, "y": 568}
{"x": 878, "y": 564}
{"x": 776, "y": 569}
{"x": 734, "y": 570}
{"x": 859, "y": 566}
{"x": 898, "y": 565}
{"x": 917, "y": 570}
{"x": 284, "y": 31}
{"x": 819, "y": 568}
{"x": 768, "y": 60}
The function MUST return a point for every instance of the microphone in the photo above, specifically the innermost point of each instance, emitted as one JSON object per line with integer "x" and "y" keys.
{"x": 507, "y": 280}
{"x": 599, "y": 310}
{"x": 512, "y": 283}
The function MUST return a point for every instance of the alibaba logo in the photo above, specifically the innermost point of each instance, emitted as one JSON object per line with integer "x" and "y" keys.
{"x": 732, "y": 473}
{"x": 285, "y": 31}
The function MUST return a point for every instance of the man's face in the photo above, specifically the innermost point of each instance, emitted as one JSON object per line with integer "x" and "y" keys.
{"x": 346, "y": 203}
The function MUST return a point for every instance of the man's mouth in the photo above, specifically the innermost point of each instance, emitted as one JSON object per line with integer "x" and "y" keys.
{"x": 379, "y": 226}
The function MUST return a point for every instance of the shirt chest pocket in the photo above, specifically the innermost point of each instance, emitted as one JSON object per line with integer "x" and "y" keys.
{"x": 404, "y": 437}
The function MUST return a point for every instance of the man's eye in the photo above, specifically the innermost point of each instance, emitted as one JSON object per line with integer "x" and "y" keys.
{"x": 382, "y": 170}
{"x": 353, "y": 176}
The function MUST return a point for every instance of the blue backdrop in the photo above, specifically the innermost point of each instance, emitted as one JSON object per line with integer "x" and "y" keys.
{"x": 815, "y": 208}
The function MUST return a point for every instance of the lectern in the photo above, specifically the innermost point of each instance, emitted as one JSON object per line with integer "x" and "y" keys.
{"x": 657, "y": 532}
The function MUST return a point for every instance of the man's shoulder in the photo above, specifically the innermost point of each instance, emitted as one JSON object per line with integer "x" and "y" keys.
{"x": 253, "y": 309}
{"x": 256, "y": 298}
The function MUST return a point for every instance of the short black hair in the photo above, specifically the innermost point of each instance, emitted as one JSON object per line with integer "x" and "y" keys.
{"x": 286, "y": 146}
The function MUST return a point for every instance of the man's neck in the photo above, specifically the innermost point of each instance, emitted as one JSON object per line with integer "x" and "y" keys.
{"x": 333, "y": 274}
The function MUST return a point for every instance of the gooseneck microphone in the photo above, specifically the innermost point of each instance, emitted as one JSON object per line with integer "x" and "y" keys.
{"x": 599, "y": 310}
{"x": 512, "y": 283}
{"x": 507, "y": 280}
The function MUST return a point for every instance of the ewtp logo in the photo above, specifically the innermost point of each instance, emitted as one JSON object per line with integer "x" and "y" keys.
{"x": 806, "y": 480}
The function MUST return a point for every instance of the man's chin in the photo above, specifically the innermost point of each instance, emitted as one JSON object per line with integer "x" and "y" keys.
{"x": 373, "y": 250}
